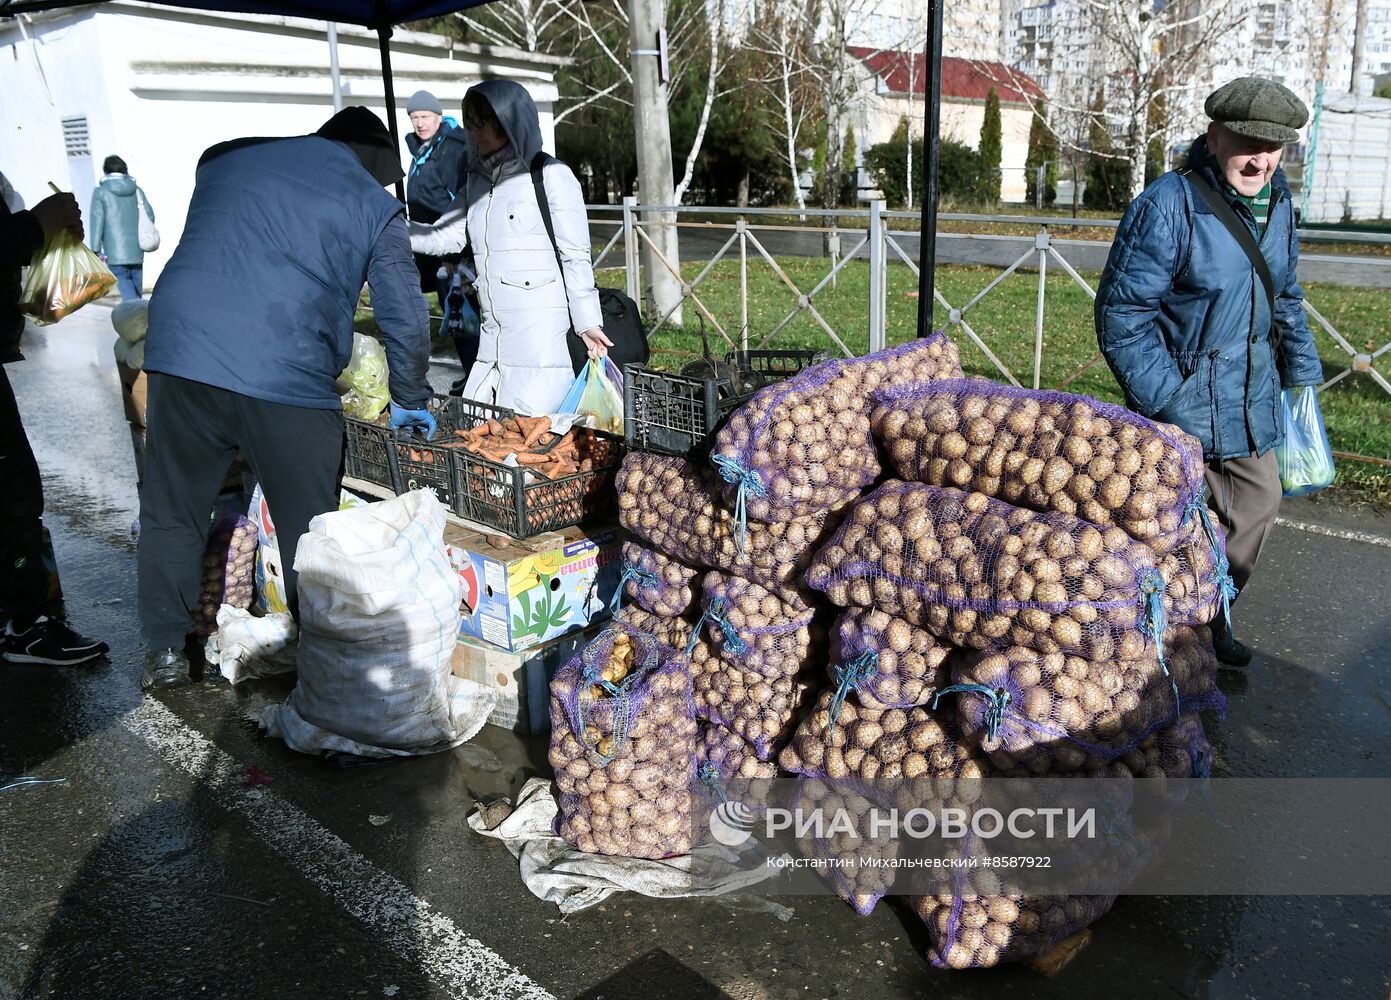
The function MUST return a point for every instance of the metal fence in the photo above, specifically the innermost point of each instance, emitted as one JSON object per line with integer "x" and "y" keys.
{"x": 870, "y": 234}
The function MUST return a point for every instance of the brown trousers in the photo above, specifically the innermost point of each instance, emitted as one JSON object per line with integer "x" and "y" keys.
{"x": 1245, "y": 494}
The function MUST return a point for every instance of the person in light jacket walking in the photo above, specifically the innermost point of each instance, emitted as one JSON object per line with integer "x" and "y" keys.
{"x": 115, "y": 226}
{"x": 530, "y": 305}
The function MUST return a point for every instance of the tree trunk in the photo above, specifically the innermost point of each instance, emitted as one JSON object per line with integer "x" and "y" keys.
{"x": 1139, "y": 149}
{"x": 742, "y": 198}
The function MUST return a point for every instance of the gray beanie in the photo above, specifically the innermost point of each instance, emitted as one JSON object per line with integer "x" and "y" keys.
{"x": 423, "y": 100}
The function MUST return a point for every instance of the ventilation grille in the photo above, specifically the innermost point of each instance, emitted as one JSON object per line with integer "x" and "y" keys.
{"x": 75, "y": 139}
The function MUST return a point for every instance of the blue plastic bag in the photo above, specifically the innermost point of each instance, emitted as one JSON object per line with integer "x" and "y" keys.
{"x": 1305, "y": 458}
{"x": 597, "y": 392}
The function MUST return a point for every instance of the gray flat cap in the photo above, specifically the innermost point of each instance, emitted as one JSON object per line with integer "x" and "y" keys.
{"x": 1258, "y": 109}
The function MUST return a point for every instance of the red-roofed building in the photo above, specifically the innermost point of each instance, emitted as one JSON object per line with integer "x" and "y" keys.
{"x": 889, "y": 78}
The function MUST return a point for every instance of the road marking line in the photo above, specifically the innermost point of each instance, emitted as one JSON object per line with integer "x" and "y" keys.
{"x": 410, "y": 927}
{"x": 1351, "y": 536}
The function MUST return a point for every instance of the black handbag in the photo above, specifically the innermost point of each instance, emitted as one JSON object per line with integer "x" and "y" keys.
{"x": 622, "y": 322}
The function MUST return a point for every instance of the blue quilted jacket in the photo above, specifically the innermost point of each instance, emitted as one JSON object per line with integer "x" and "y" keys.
{"x": 1183, "y": 319}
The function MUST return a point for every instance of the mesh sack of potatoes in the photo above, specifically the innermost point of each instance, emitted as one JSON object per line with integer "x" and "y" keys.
{"x": 756, "y": 629}
{"x": 229, "y": 570}
{"x": 1172, "y": 757}
{"x": 728, "y": 767}
{"x": 623, "y": 745}
{"x": 658, "y": 583}
{"x": 672, "y": 632}
{"x": 972, "y": 930}
{"x": 886, "y": 662}
{"x": 804, "y": 445}
{"x": 1055, "y": 713}
{"x": 675, "y": 506}
{"x": 844, "y": 853}
{"x": 761, "y": 710}
{"x": 1048, "y": 451}
{"x": 983, "y": 574}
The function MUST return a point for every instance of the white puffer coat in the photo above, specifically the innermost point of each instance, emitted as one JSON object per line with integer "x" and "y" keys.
{"x": 523, "y": 359}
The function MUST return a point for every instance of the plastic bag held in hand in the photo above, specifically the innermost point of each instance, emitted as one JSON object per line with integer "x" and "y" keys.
{"x": 363, "y": 384}
{"x": 63, "y": 277}
{"x": 597, "y": 392}
{"x": 1305, "y": 459}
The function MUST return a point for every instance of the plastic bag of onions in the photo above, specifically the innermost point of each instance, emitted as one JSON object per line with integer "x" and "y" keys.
{"x": 623, "y": 747}
{"x": 1047, "y": 451}
{"x": 756, "y": 629}
{"x": 672, "y": 632}
{"x": 229, "y": 570}
{"x": 985, "y": 575}
{"x": 804, "y": 445}
{"x": 886, "y": 662}
{"x": 658, "y": 583}
{"x": 675, "y": 506}
{"x": 1051, "y": 713}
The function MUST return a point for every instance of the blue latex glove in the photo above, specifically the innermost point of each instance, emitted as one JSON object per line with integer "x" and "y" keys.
{"x": 415, "y": 420}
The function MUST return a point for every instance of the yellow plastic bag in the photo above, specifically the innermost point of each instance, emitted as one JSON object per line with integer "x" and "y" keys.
{"x": 63, "y": 277}
{"x": 602, "y": 397}
{"x": 363, "y": 384}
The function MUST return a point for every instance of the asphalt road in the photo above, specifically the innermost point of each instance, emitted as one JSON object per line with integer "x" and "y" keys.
{"x": 156, "y": 871}
{"x": 1089, "y": 257}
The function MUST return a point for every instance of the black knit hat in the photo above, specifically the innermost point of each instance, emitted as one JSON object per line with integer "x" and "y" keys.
{"x": 364, "y": 133}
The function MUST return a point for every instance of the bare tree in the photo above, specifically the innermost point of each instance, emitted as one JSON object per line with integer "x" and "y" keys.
{"x": 784, "y": 35}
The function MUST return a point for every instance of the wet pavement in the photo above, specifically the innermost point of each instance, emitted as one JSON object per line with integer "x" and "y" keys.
{"x": 163, "y": 866}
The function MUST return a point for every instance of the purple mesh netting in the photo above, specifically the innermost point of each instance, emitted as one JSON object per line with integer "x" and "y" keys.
{"x": 973, "y": 930}
{"x": 675, "y": 506}
{"x": 804, "y": 445}
{"x": 762, "y": 710}
{"x": 909, "y": 664}
{"x": 841, "y": 851}
{"x": 658, "y": 583}
{"x": 1055, "y": 714}
{"x": 673, "y": 633}
{"x": 229, "y": 570}
{"x": 623, "y": 748}
{"x": 756, "y": 629}
{"x": 1048, "y": 451}
{"x": 983, "y": 574}
{"x": 728, "y": 768}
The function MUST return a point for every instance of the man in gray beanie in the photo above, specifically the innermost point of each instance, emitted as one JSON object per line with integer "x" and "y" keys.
{"x": 436, "y": 145}
{"x": 1199, "y": 311}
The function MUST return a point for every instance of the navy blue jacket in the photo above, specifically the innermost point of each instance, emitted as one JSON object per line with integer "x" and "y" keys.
{"x": 260, "y": 294}
{"x": 435, "y": 172}
{"x": 1183, "y": 320}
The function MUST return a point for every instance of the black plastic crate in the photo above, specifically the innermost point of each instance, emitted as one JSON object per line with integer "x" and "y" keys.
{"x": 369, "y": 454}
{"x": 500, "y": 497}
{"x": 425, "y": 464}
{"x": 679, "y": 414}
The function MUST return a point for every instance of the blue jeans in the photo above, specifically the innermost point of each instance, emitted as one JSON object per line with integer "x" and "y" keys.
{"x": 128, "y": 280}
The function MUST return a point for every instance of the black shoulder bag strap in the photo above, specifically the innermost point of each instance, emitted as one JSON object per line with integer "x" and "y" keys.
{"x": 538, "y": 165}
{"x": 1240, "y": 233}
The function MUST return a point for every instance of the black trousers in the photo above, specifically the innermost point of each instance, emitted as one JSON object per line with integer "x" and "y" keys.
{"x": 194, "y": 433}
{"x": 23, "y": 578}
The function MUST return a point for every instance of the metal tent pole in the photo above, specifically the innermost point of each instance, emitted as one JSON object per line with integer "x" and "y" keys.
{"x": 932, "y": 120}
{"x": 384, "y": 41}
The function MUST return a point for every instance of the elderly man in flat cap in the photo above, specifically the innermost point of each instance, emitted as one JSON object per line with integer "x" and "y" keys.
{"x": 1199, "y": 311}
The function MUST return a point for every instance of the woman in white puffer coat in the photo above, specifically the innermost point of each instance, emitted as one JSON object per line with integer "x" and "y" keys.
{"x": 529, "y": 307}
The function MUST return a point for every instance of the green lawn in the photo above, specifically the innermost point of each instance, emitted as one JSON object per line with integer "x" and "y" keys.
{"x": 1357, "y": 411}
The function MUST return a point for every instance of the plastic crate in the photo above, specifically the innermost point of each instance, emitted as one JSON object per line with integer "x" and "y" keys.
{"x": 369, "y": 454}
{"x": 679, "y": 414}
{"x": 500, "y": 497}
{"x": 425, "y": 464}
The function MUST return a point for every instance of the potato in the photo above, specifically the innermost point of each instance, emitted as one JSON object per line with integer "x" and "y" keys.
{"x": 657, "y": 582}
{"x": 828, "y": 404}
{"x": 759, "y": 630}
{"x": 908, "y": 664}
{"x": 676, "y": 508}
{"x": 761, "y": 710}
{"x": 623, "y": 763}
{"x": 979, "y": 573}
{"x": 1053, "y": 452}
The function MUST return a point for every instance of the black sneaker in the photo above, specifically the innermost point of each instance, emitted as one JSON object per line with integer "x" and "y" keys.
{"x": 49, "y": 641}
{"x": 165, "y": 668}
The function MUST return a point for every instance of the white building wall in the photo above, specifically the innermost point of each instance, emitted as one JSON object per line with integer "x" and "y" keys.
{"x": 159, "y": 86}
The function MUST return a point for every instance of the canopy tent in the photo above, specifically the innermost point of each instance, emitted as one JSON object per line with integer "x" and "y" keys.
{"x": 381, "y": 15}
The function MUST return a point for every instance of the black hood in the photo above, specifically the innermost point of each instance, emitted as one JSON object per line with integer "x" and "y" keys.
{"x": 366, "y": 135}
